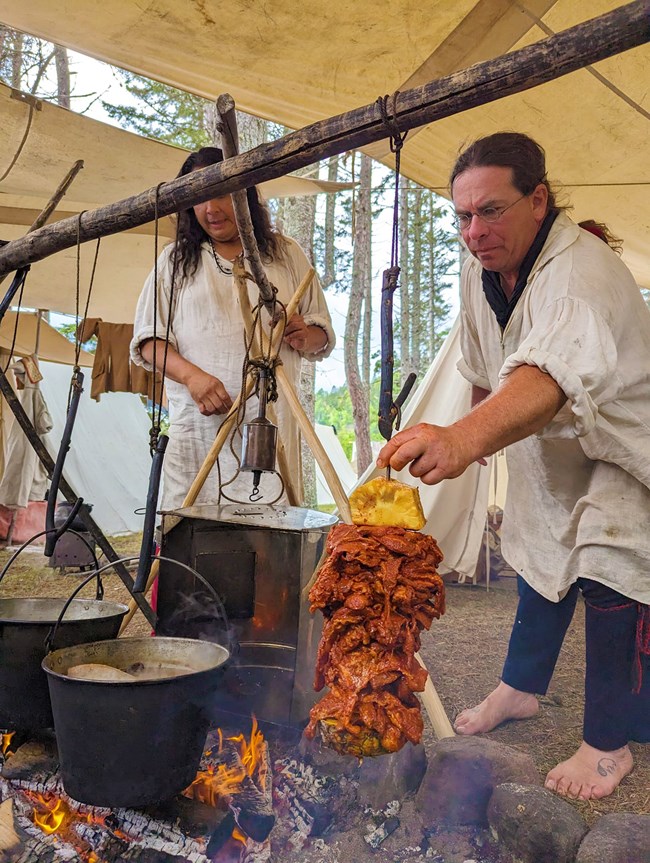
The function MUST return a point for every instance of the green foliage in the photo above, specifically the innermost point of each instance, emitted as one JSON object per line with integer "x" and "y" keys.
{"x": 161, "y": 112}
{"x": 69, "y": 331}
{"x": 334, "y": 408}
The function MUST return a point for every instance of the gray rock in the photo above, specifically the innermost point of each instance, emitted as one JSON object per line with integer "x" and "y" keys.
{"x": 617, "y": 838}
{"x": 462, "y": 774}
{"x": 391, "y": 777}
{"x": 534, "y": 824}
{"x": 326, "y": 760}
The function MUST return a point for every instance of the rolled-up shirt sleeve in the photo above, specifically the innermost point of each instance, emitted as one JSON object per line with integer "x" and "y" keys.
{"x": 573, "y": 344}
{"x": 147, "y": 311}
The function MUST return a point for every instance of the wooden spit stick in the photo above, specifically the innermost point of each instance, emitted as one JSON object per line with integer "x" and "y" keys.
{"x": 219, "y": 441}
{"x": 433, "y": 705}
{"x": 331, "y": 477}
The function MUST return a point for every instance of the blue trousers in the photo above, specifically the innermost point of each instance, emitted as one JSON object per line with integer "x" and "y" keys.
{"x": 614, "y": 713}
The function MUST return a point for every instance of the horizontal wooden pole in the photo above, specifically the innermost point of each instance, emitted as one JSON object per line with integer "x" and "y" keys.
{"x": 623, "y": 28}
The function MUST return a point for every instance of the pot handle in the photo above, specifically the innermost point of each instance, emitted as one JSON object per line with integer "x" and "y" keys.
{"x": 218, "y": 601}
{"x": 8, "y": 564}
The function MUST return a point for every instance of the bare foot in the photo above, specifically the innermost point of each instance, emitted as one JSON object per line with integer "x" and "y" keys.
{"x": 590, "y": 773}
{"x": 502, "y": 704}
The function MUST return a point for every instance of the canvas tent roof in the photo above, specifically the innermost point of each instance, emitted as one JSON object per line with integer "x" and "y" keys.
{"x": 52, "y": 346}
{"x": 117, "y": 164}
{"x": 299, "y": 63}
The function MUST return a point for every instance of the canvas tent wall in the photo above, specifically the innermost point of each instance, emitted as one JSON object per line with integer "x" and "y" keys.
{"x": 593, "y": 122}
{"x": 108, "y": 462}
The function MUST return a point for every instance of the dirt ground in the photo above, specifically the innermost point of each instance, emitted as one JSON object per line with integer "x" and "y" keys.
{"x": 464, "y": 652}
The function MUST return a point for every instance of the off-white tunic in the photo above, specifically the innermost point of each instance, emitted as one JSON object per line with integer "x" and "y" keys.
{"x": 207, "y": 330}
{"x": 578, "y": 500}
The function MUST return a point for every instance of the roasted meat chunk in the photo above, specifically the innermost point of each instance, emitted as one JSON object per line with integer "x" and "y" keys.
{"x": 377, "y": 589}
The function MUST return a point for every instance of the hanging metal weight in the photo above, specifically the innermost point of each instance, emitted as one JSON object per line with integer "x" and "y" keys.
{"x": 259, "y": 439}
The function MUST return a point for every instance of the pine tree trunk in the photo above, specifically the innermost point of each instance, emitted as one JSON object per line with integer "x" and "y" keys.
{"x": 62, "y": 76}
{"x": 17, "y": 61}
{"x": 299, "y": 221}
{"x": 359, "y": 395}
{"x": 417, "y": 323}
{"x": 329, "y": 256}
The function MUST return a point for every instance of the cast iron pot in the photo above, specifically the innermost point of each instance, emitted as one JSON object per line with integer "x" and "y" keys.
{"x": 25, "y": 625}
{"x": 139, "y": 742}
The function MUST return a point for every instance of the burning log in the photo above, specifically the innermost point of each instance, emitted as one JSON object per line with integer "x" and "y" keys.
{"x": 237, "y": 777}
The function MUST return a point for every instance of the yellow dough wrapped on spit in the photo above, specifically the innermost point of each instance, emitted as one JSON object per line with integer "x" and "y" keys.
{"x": 387, "y": 502}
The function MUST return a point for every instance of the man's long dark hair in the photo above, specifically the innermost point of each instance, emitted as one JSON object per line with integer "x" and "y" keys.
{"x": 508, "y": 150}
{"x": 190, "y": 235}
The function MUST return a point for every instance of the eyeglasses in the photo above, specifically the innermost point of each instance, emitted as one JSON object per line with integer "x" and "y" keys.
{"x": 486, "y": 214}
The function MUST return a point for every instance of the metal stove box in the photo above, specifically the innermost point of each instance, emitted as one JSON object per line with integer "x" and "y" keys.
{"x": 260, "y": 560}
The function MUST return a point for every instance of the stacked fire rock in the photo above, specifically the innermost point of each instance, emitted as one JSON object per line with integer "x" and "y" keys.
{"x": 377, "y": 590}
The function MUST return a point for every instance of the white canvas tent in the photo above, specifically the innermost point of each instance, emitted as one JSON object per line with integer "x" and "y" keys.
{"x": 108, "y": 462}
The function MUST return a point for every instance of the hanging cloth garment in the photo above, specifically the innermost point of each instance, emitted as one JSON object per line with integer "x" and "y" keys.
{"x": 24, "y": 478}
{"x": 113, "y": 371}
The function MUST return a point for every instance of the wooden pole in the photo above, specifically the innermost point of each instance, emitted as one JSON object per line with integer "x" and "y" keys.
{"x": 433, "y": 706}
{"x": 338, "y": 493}
{"x": 565, "y": 52}
{"x": 240, "y": 276}
{"x": 59, "y": 192}
{"x": 230, "y": 148}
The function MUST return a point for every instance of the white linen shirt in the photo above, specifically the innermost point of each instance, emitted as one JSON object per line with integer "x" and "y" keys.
{"x": 207, "y": 330}
{"x": 578, "y": 496}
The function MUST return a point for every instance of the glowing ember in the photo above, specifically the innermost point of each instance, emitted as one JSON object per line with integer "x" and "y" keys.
{"x": 6, "y": 740}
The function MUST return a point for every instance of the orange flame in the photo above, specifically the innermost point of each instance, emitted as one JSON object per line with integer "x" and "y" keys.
{"x": 6, "y": 740}
{"x": 54, "y": 813}
{"x": 239, "y": 836}
{"x": 212, "y": 784}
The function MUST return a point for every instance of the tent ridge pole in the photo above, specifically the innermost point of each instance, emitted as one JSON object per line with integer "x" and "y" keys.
{"x": 582, "y": 45}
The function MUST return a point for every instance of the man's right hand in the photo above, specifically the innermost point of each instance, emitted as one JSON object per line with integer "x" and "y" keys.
{"x": 208, "y": 392}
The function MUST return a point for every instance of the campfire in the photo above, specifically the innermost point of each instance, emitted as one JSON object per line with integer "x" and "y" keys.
{"x": 231, "y": 794}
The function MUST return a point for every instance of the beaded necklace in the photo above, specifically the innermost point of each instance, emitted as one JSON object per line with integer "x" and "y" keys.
{"x": 220, "y": 267}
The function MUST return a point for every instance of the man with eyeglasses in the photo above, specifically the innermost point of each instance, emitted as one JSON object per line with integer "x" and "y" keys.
{"x": 556, "y": 344}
